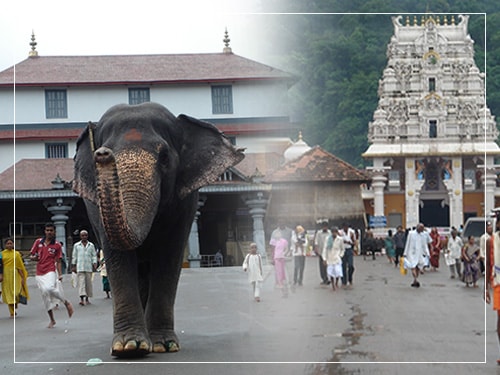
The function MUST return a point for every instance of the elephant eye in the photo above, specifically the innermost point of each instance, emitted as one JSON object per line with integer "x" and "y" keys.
{"x": 163, "y": 157}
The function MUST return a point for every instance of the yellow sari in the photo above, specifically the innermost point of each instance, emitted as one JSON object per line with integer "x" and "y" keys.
{"x": 12, "y": 277}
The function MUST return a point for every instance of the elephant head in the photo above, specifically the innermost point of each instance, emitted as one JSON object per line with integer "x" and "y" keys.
{"x": 140, "y": 158}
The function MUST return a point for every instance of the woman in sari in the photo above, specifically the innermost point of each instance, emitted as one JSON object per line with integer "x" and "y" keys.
{"x": 15, "y": 277}
{"x": 435, "y": 248}
{"x": 470, "y": 256}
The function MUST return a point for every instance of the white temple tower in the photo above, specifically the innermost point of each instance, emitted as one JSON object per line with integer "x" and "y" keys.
{"x": 432, "y": 138}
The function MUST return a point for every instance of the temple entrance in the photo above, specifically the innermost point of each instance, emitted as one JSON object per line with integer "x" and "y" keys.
{"x": 433, "y": 213}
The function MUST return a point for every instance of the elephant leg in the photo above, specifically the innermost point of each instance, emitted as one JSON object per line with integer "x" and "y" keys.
{"x": 165, "y": 272}
{"x": 160, "y": 307}
{"x": 130, "y": 338}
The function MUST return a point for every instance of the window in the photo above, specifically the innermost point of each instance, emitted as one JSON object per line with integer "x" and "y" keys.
{"x": 56, "y": 104}
{"x": 432, "y": 129}
{"x": 222, "y": 99}
{"x": 432, "y": 84}
{"x": 56, "y": 150}
{"x": 138, "y": 96}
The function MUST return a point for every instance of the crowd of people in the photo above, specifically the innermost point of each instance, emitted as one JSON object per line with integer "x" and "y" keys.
{"x": 48, "y": 254}
{"x": 418, "y": 250}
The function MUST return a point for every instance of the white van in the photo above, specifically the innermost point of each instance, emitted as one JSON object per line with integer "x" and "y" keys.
{"x": 476, "y": 226}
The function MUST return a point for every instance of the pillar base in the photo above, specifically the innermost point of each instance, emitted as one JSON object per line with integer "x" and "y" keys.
{"x": 194, "y": 262}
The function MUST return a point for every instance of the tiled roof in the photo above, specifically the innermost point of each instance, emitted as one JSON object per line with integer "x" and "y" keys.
{"x": 316, "y": 165}
{"x": 138, "y": 69}
{"x": 37, "y": 134}
{"x": 36, "y": 174}
{"x": 261, "y": 162}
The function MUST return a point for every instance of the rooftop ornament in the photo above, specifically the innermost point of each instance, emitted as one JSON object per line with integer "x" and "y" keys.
{"x": 226, "y": 41}
{"x": 33, "y": 43}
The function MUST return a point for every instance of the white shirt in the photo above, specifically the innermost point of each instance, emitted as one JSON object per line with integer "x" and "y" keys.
{"x": 455, "y": 247}
{"x": 417, "y": 248}
{"x": 348, "y": 237}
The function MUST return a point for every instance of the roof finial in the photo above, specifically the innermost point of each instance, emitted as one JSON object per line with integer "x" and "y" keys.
{"x": 33, "y": 52}
{"x": 226, "y": 41}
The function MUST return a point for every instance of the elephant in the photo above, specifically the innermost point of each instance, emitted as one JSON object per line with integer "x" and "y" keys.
{"x": 138, "y": 171}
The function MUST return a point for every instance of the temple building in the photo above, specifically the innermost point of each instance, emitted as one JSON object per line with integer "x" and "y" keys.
{"x": 432, "y": 138}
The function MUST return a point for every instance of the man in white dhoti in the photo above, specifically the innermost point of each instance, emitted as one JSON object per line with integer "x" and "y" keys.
{"x": 416, "y": 252}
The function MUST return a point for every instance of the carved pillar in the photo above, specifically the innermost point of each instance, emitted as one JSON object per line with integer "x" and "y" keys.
{"x": 455, "y": 192}
{"x": 412, "y": 197}
{"x": 194, "y": 257}
{"x": 59, "y": 209}
{"x": 258, "y": 204}
{"x": 490, "y": 182}
{"x": 378, "y": 185}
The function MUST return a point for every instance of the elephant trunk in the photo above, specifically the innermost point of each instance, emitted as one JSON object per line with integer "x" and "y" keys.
{"x": 128, "y": 192}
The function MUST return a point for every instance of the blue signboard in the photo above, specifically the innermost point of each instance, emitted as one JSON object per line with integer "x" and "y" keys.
{"x": 378, "y": 221}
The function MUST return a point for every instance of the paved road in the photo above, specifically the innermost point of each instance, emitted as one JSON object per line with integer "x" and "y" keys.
{"x": 380, "y": 326}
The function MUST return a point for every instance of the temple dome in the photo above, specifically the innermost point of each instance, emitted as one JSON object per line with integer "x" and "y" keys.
{"x": 296, "y": 150}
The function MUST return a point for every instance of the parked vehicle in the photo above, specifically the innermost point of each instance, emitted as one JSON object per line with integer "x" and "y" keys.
{"x": 476, "y": 226}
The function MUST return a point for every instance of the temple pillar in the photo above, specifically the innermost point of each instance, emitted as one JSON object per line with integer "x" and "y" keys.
{"x": 413, "y": 187}
{"x": 59, "y": 209}
{"x": 194, "y": 257}
{"x": 454, "y": 186}
{"x": 489, "y": 182}
{"x": 257, "y": 204}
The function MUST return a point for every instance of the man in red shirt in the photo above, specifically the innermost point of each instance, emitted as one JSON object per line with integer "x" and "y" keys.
{"x": 48, "y": 253}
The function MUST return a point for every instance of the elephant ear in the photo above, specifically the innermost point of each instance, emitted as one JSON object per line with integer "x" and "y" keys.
{"x": 84, "y": 181}
{"x": 205, "y": 153}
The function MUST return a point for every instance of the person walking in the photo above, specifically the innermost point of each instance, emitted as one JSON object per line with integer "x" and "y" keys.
{"x": 253, "y": 264}
{"x": 482, "y": 245}
{"x": 453, "y": 254}
{"x": 15, "y": 281}
{"x": 492, "y": 273}
{"x": 47, "y": 252}
{"x": 349, "y": 237}
{"x": 389, "y": 246}
{"x": 399, "y": 243}
{"x": 435, "y": 249}
{"x": 416, "y": 252}
{"x": 278, "y": 256}
{"x": 104, "y": 274}
{"x": 84, "y": 262}
{"x": 470, "y": 257}
{"x": 332, "y": 254}
{"x": 298, "y": 248}
{"x": 319, "y": 243}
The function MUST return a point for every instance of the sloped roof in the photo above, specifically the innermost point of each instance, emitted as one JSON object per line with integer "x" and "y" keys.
{"x": 137, "y": 69}
{"x": 261, "y": 162}
{"x": 316, "y": 165}
{"x": 36, "y": 174}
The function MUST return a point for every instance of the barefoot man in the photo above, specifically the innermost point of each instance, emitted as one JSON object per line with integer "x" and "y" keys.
{"x": 492, "y": 269}
{"x": 48, "y": 253}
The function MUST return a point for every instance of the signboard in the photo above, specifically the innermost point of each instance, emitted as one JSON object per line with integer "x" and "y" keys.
{"x": 378, "y": 221}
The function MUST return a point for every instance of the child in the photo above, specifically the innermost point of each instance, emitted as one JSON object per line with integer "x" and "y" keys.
{"x": 332, "y": 254}
{"x": 253, "y": 263}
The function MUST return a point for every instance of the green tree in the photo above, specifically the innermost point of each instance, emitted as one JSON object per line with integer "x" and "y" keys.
{"x": 339, "y": 59}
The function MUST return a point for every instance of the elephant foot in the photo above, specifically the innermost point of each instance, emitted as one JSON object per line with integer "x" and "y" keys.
{"x": 166, "y": 342}
{"x": 128, "y": 345}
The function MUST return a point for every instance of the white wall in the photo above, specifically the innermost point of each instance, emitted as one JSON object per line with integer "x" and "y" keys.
{"x": 250, "y": 99}
{"x": 10, "y": 154}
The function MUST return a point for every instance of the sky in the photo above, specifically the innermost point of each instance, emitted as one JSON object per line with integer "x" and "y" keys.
{"x": 109, "y": 27}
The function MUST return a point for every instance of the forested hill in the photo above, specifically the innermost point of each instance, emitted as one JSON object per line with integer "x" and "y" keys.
{"x": 339, "y": 59}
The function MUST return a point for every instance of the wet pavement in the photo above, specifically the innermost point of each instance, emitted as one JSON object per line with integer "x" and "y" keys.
{"x": 379, "y": 326}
